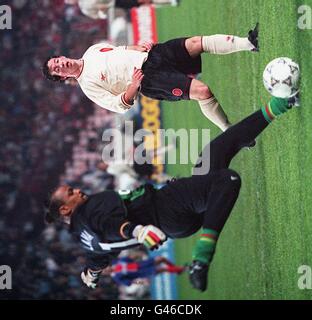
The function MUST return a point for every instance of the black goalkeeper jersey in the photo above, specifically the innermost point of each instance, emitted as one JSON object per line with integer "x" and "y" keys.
{"x": 175, "y": 209}
{"x": 97, "y": 222}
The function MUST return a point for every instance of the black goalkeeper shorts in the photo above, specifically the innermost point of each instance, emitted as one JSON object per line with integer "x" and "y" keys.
{"x": 166, "y": 71}
{"x": 187, "y": 204}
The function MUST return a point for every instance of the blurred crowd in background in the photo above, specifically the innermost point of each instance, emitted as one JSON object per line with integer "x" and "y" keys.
{"x": 49, "y": 134}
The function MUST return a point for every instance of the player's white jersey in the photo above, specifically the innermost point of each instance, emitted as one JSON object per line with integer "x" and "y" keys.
{"x": 106, "y": 73}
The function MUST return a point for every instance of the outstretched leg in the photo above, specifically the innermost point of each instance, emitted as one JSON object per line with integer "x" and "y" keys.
{"x": 222, "y": 149}
{"x": 223, "y": 193}
{"x": 225, "y": 187}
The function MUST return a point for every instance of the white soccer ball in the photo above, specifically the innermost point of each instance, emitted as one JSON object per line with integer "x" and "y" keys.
{"x": 281, "y": 78}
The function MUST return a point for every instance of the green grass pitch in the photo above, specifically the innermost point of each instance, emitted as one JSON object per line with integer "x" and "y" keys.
{"x": 269, "y": 233}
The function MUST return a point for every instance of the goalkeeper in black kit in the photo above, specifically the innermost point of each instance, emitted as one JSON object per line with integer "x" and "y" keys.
{"x": 109, "y": 222}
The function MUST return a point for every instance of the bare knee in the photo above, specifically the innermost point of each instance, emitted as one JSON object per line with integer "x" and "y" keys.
{"x": 199, "y": 90}
{"x": 194, "y": 46}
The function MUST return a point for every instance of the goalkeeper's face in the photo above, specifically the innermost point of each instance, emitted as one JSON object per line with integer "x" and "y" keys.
{"x": 71, "y": 199}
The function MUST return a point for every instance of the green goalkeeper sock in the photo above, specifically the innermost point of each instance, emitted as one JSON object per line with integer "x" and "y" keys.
{"x": 274, "y": 108}
{"x": 205, "y": 246}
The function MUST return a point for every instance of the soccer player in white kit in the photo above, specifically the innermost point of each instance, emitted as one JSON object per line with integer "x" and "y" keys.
{"x": 112, "y": 77}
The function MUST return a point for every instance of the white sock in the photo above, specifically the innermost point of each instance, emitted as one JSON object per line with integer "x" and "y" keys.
{"x": 212, "y": 110}
{"x": 225, "y": 44}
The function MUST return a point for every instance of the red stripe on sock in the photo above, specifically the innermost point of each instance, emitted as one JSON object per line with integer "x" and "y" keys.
{"x": 270, "y": 115}
{"x": 211, "y": 236}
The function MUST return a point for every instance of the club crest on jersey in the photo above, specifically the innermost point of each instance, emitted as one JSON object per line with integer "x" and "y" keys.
{"x": 103, "y": 77}
{"x": 177, "y": 92}
{"x": 106, "y": 49}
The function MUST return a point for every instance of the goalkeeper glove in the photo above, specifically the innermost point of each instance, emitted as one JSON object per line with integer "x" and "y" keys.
{"x": 150, "y": 236}
{"x": 90, "y": 278}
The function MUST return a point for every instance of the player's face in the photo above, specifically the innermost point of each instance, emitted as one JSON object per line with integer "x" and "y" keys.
{"x": 62, "y": 66}
{"x": 72, "y": 198}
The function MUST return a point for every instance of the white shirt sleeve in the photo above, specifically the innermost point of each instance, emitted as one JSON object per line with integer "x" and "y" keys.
{"x": 108, "y": 101}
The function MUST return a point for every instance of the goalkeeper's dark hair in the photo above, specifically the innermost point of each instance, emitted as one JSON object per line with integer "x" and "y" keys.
{"x": 52, "y": 206}
{"x": 46, "y": 71}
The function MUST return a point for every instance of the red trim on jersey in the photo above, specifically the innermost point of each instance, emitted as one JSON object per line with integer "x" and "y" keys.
{"x": 106, "y": 49}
